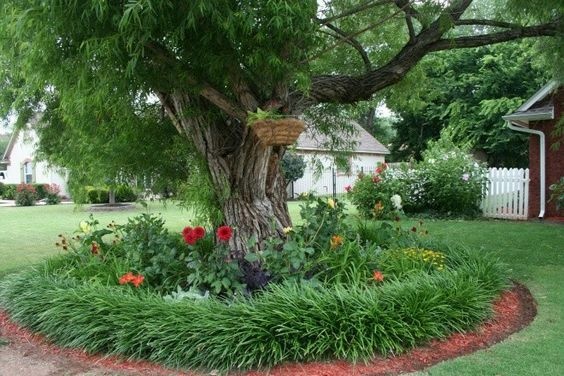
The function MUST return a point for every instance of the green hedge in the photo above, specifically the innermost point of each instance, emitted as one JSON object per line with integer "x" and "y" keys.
{"x": 8, "y": 191}
{"x": 286, "y": 323}
{"x": 124, "y": 193}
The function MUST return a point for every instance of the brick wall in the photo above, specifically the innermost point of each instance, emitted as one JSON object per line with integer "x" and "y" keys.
{"x": 554, "y": 160}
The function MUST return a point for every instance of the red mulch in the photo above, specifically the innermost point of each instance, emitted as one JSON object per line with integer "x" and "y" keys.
{"x": 514, "y": 310}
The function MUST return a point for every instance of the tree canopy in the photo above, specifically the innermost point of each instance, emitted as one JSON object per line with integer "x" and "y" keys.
{"x": 209, "y": 62}
{"x": 463, "y": 94}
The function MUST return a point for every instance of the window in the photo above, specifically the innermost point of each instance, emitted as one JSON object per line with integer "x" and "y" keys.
{"x": 27, "y": 173}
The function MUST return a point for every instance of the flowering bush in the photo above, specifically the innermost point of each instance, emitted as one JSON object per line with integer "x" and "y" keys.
{"x": 153, "y": 251}
{"x": 322, "y": 218}
{"x": 378, "y": 195}
{"x": 26, "y": 195}
{"x": 210, "y": 266}
{"x": 455, "y": 182}
{"x": 52, "y": 193}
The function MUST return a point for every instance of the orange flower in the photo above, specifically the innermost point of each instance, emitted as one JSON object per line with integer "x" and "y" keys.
{"x": 126, "y": 278}
{"x": 137, "y": 280}
{"x": 378, "y": 276}
{"x": 336, "y": 241}
{"x": 129, "y": 277}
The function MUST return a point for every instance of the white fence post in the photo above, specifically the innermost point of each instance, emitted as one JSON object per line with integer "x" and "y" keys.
{"x": 507, "y": 193}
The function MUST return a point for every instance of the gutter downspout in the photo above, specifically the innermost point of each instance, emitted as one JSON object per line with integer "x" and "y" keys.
{"x": 520, "y": 127}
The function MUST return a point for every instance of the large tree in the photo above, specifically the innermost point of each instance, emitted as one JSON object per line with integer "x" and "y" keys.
{"x": 209, "y": 62}
{"x": 463, "y": 97}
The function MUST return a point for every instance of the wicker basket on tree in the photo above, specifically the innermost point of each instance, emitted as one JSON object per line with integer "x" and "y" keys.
{"x": 275, "y": 130}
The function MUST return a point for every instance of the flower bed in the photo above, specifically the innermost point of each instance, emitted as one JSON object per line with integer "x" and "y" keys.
{"x": 328, "y": 291}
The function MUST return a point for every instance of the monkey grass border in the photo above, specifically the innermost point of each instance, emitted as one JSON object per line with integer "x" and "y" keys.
{"x": 286, "y": 323}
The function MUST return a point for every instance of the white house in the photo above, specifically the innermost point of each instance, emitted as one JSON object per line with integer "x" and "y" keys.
{"x": 366, "y": 156}
{"x": 20, "y": 165}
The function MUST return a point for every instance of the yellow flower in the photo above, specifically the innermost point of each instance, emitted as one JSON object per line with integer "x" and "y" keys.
{"x": 336, "y": 241}
{"x": 287, "y": 230}
{"x": 85, "y": 227}
{"x": 331, "y": 203}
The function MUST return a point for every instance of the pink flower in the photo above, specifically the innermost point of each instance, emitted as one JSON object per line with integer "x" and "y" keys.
{"x": 224, "y": 233}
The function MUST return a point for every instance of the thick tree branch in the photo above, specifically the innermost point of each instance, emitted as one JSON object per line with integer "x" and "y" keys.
{"x": 476, "y": 22}
{"x": 350, "y": 89}
{"x": 492, "y": 38}
{"x": 352, "y": 42}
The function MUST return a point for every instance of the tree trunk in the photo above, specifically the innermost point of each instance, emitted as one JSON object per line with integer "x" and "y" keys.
{"x": 255, "y": 205}
{"x": 247, "y": 179}
{"x": 112, "y": 196}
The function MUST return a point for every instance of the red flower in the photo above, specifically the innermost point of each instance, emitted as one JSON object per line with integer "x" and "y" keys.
{"x": 378, "y": 276}
{"x": 137, "y": 280}
{"x": 224, "y": 233}
{"x": 189, "y": 238}
{"x": 376, "y": 179}
{"x": 186, "y": 230}
{"x": 348, "y": 188}
{"x": 95, "y": 248}
{"x": 199, "y": 232}
{"x": 126, "y": 278}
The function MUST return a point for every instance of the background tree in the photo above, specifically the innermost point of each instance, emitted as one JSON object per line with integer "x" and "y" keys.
{"x": 293, "y": 166}
{"x": 463, "y": 94}
{"x": 211, "y": 61}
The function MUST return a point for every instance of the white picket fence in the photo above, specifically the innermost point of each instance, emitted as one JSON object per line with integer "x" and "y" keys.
{"x": 329, "y": 181}
{"x": 507, "y": 193}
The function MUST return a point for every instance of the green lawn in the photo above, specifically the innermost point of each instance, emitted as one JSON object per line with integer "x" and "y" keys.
{"x": 535, "y": 252}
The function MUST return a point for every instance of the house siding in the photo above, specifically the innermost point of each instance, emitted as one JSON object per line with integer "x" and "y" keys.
{"x": 23, "y": 151}
{"x": 554, "y": 160}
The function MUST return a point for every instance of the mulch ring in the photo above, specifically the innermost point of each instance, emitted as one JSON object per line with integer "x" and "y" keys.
{"x": 514, "y": 310}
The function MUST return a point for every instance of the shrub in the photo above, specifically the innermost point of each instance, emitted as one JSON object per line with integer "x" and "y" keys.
{"x": 455, "y": 182}
{"x": 557, "y": 193}
{"x": 152, "y": 251}
{"x": 25, "y": 195}
{"x": 40, "y": 191}
{"x": 97, "y": 195}
{"x": 52, "y": 194}
{"x": 2, "y": 189}
{"x": 9, "y": 192}
{"x": 125, "y": 193}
